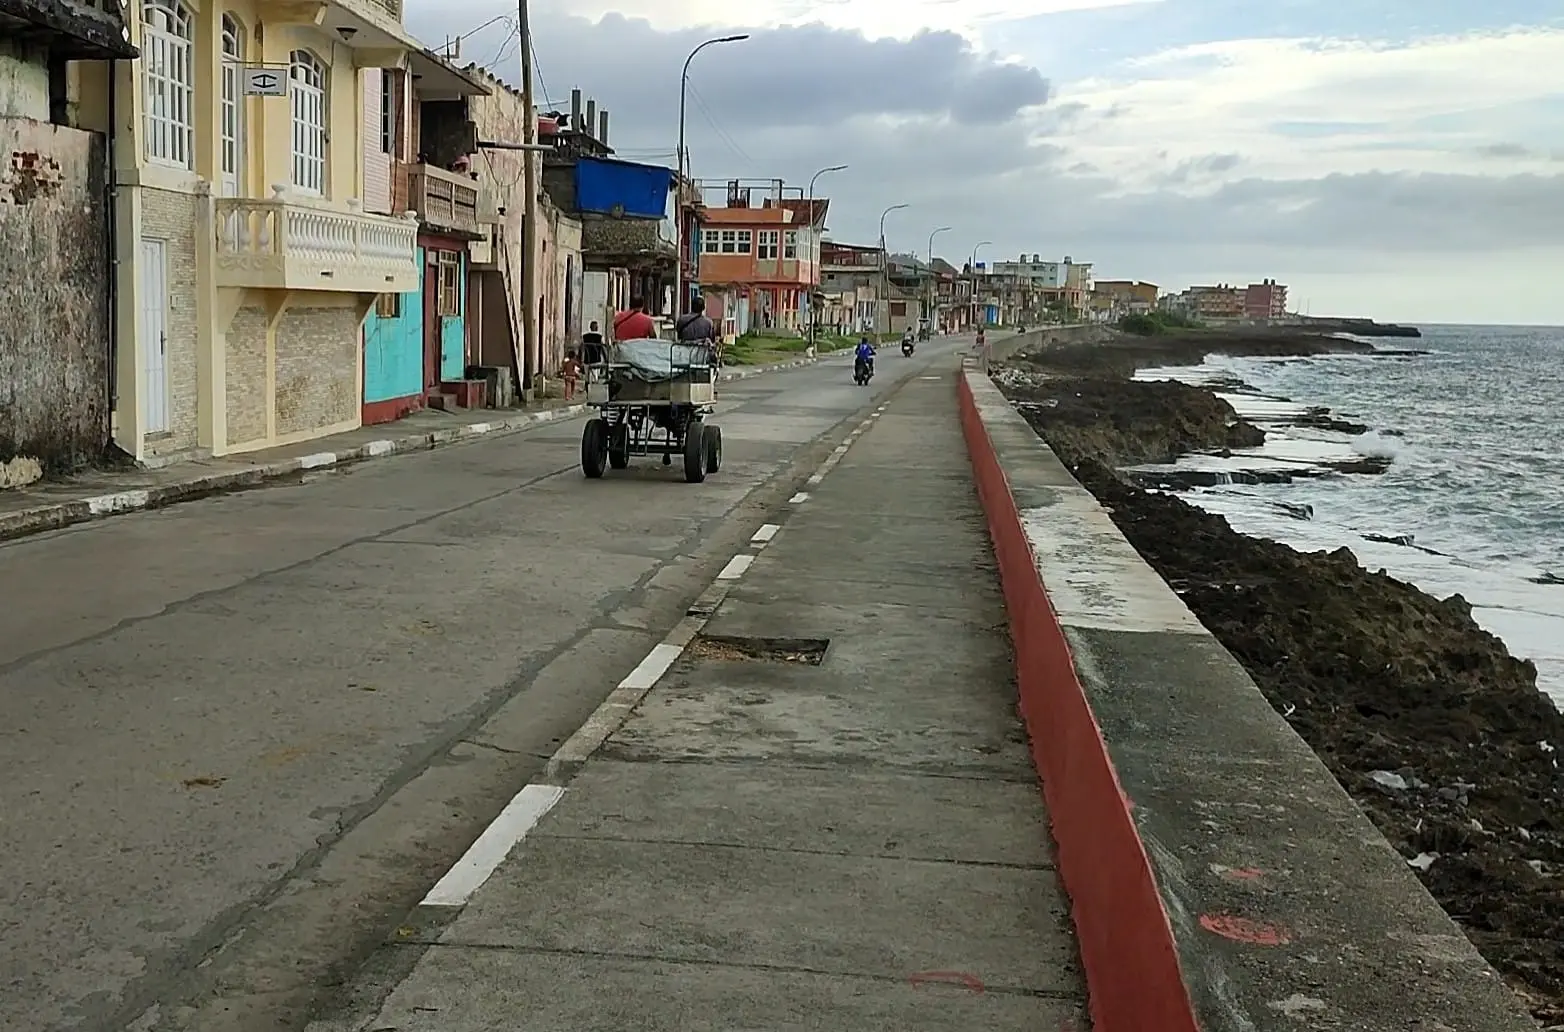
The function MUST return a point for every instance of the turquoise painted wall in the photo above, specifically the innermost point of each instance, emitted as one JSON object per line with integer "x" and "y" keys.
{"x": 394, "y": 349}
{"x": 453, "y": 334}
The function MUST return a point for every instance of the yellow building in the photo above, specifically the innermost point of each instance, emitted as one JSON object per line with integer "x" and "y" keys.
{"x": 247, "y": 135}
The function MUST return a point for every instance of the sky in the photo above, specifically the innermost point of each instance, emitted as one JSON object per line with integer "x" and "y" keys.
{"x": 1399, "y": 159}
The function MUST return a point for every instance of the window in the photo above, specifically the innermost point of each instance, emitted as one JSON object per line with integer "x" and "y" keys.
{"x": 790, "y": 245}
{"x": 745, "y": 241}
{"x": 231, "y": 111}
{"x": 710, "y": 242}
{"x": 448, "y": 299}
{"x": 308, "y": 90}
{"x": 768, "y": 245}
{"x": 168, "y": 80}
{"x": 387, "y": 111}
{"x": 730, "y": 241}
{"x": 389, "y": 306}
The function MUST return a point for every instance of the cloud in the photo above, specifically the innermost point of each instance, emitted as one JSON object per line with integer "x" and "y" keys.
{"x": 1314, "y": 158}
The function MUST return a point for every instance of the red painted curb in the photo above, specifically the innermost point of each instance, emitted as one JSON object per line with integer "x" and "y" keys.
{"x": 1133, "y": 979}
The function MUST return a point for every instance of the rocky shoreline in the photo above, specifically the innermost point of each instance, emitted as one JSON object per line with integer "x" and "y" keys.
{"x": 1428, "y": 722}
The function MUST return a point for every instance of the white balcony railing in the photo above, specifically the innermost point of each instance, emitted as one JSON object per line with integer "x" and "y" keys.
{"x": 291, "y": 243}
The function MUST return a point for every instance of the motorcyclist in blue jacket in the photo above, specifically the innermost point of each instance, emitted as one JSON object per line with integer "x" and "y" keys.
{"x": 865, "y": 354}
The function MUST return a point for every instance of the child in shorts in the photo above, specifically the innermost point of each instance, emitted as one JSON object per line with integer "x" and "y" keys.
{"x": 571, "y": 371}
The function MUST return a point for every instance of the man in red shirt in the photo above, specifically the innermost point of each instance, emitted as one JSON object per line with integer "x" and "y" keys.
{"x": 634, "y": 324}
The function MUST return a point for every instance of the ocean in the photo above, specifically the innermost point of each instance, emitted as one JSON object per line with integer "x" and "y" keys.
{"x": 1470, "y": 440}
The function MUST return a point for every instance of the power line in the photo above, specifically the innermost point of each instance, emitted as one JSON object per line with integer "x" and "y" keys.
{"x": 700, "y": 102}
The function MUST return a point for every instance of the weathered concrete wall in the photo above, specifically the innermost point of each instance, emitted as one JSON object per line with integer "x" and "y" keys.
{"x": 1049, "y": 337}
{"x": 54, "y": 371}
{"x": 24, "y": 81}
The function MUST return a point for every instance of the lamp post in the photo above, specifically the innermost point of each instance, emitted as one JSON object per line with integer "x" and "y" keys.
{"x": 678, "y": 218}
{"x": 814, "y": 251}
{"x": 932, "y": 285}
{"x": 973, "y": 264}
{"x": 885, "y": 270}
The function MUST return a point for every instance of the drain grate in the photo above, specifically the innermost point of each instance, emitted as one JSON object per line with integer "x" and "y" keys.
{"x": 808, "y": 651}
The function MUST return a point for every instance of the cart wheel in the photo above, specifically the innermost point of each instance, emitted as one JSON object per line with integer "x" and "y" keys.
{"x": 619, "y": 447}
{"x": 695, "y": 451}
{"x": 713, "y": 449}
{"x": 594, "y": 448}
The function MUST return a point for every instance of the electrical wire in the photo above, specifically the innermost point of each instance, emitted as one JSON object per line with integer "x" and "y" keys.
{"x": 700, "y": 102}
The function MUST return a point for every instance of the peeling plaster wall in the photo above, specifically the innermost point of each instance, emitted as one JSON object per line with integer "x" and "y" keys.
{"x": 54, "y": 370}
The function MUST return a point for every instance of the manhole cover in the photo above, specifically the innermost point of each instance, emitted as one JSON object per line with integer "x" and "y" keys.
{"x": 810, "y": 651}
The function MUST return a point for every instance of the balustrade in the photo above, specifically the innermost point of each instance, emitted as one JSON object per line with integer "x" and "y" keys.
{"x": 292, "y": 243}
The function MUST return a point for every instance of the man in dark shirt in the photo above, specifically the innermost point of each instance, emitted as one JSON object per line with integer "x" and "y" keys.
{"x": 634, "y": 324}
{"x": 696, "y": 326}
{"x": 592, "y": 344}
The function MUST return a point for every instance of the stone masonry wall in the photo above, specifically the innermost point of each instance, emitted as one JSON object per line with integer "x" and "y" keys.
{"x": 245, "y": 386}
{"x": 317, "y": 368}
{"x": 171, "y": 217}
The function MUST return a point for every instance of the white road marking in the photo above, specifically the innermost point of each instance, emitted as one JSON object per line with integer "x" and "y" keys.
{"x": 520, "y": 816}
{"x": 652, "y": 667}
{"x": 765, "y": 533}
{"x": 736, "y": 567}
{"x": 799, "y": 499}
{"x": 816, "y": 478}
{"x": 120, "y": 502}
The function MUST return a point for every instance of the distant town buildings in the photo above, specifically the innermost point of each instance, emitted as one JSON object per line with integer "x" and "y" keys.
{"x": 1257, "y": 302}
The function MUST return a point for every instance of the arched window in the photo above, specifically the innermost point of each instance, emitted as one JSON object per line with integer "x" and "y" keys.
{"x": 308, "y": 90}
{"x": 168, "y": 80}
{"x": 231, "y": 114}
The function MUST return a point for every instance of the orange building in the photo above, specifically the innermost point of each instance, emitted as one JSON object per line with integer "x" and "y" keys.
{"x": 761, "y": 261}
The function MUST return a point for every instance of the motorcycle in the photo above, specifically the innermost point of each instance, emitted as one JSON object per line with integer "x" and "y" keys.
{"x": 907, "y": 348}
{"x": 863, "y": 371}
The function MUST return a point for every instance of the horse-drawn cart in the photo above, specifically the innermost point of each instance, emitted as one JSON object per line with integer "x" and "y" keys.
{"x": 652, "y": 398}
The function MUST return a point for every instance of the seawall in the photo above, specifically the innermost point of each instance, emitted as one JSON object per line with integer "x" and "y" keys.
{"x": 1219, "y": 877}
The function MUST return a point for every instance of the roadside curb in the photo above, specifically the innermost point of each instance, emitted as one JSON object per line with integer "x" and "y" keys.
{"x": 56, "y": 515}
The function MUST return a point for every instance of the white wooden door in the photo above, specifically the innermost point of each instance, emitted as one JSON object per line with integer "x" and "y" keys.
{"x": 154, "y": 336}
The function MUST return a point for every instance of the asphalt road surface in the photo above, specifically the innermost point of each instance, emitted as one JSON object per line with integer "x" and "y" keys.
{"x": 241, "y": 737}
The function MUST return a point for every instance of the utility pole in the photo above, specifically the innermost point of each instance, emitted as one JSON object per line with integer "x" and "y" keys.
{"x": 814, "y": 251}
{"x": 885, "y": 272}
{"x": 529, "y": 226}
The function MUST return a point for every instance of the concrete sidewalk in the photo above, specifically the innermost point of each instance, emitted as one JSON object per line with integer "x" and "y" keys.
{"x": 822, "y": 816}
{"x": 51, "y": 504}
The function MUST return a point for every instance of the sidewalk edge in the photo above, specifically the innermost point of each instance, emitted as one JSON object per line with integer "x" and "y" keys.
{"x": 57, "y": 515}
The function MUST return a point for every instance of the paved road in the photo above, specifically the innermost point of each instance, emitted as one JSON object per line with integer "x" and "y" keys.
{"x": 239, "y": 738}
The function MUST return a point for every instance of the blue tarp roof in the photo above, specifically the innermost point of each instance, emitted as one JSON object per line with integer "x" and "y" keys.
{"x": 623, "y": 188}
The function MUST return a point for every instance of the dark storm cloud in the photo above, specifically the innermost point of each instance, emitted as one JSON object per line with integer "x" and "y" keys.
{"x": 957, "y": 134}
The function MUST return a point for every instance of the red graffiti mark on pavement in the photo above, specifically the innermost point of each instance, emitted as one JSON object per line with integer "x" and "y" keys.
{"x": 961, "y": 978}
{"x": 1241, "y": 873}
{"x": 1241, "y": 929}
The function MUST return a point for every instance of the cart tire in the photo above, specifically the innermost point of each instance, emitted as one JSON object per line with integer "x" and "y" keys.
{"x": 695, "y": 451}
{"x": 713, "y": 449}
{"x": 619, "y": 446}
{"x": 594, "y": 448}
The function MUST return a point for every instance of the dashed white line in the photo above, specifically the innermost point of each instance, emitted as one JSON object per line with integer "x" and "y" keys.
{"x": 736, "y": 567}
{"x": 652, "y": 667}
{"x": 799, "y": 499}
{"x": 765, "y": 533}
{"x": 520, "y": 816}
{"x": 816, "y": 478}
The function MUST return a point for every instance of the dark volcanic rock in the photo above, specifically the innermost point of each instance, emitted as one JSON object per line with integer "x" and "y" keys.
{"x": 1126, "y": 422}
{"x": 1124, "y": 354}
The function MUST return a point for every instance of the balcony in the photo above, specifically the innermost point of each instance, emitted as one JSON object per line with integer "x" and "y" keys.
{"x": 289, "y": 243}
{"x": 445, "y": 200}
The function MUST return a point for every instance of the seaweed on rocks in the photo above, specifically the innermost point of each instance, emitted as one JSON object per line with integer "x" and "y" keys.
{"x": 1425, "y": 718}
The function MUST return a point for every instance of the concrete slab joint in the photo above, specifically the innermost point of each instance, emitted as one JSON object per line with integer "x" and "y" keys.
{"x": 1219, "y": 877}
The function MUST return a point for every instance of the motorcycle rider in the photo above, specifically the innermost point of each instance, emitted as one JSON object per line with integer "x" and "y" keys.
{"x": 864, "y": 358}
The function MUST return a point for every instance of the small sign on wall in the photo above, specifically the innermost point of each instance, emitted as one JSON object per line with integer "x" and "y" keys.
{"x": 265, "y": 81}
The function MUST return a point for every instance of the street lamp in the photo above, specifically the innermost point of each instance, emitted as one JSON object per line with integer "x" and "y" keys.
{"x": 885, "y": 269}
{"x": 814, "y": 250}
{"x": 932, "y": 287}
{"x": 684, "y": 82}
{"x": 973, "y": 266}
